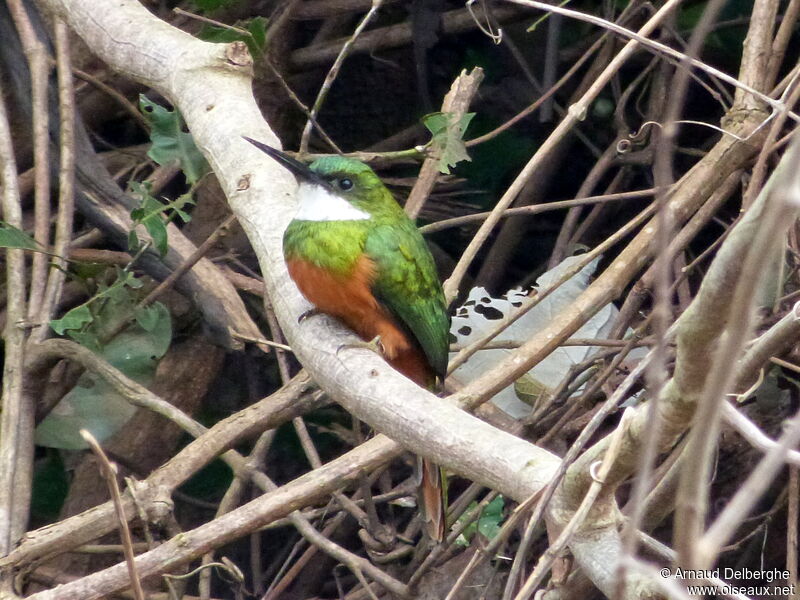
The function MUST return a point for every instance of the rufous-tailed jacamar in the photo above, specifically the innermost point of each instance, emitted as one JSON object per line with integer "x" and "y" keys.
{"x": 355, "y": 255}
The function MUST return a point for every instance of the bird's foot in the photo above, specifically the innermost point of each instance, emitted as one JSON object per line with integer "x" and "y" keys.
{"x": 311, "y": 312}
{"x": 374, "y": 344}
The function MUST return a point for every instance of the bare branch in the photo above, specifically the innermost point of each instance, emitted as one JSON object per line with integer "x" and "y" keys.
{"x": 16, "y": 418}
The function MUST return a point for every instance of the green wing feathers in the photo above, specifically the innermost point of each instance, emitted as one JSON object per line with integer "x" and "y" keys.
{"x": 408, "y": 285}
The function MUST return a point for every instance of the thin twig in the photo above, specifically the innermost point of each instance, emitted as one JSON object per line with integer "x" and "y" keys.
{"x": 36, "y": 53}
{"x": 640, "y": 37}
{"x": 356, "y": 564}
{"x": 748, "y": 494}
{"x": 509, "y": 344}
{"x": 333, "y": 72}
{"x": 66, "y": 185}
{"x": 301, "y": 105}
{"x": 574, "y": 115}
{"x": 110, "y": 475}
{"x": 656, "y": 374}
{"x": 16, "y": 418}
{"x": 781, "y": 41}
{"x": 543, "y": 98}
{"x": 792, "y": 95}
{"x": 753, "y": 434}
{"x": 531, "y": 301}
{"x": 186, "y": 265}
{"x": 540, "y": 501}
{"x": 126, "y": 104}
{"x": 598, "y": 170}
{"x": 536, "y": 209}
{"x": 771, "y": 220}
{"x": 261, "y": 340}
{"x": 231, "y": 499}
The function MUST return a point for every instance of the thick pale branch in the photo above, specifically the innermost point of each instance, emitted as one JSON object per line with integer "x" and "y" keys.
{"x": 210, "y": 84}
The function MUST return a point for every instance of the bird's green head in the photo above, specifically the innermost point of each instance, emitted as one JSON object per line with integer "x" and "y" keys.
{"x": 336, "y": 188}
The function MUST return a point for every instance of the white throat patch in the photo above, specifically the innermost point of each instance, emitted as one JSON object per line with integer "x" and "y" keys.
{"x": 318, "y": 204}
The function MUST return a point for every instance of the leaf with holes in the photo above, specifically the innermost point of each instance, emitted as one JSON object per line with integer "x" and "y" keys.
{"x": 448, "y": 138}
{"x": 170, "y": 142}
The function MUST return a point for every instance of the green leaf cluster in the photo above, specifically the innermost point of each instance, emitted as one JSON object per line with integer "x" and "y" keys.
{"x": 93, "y": 404}
{"x": 91, "y": 321}
{"x": 447, "y": 140}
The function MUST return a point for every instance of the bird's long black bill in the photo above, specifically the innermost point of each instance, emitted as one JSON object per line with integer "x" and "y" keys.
{"x": 298, "y": 169}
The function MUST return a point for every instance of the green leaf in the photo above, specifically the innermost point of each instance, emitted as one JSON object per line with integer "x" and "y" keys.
{"x": 220, "y": 35}
{"x": 448, "y": 138}
{"x": 158, "y": 232}
{"x": 157, "y": 322}
{"x": 258, "y": 30}
{"x": 488, "y": 524}
{"x": 93, "y": 404}
{"x": 50, "y": 487}
{"x": 150, "y": 214}
{"x": 133, "y": 240}
{"x": 89, "y": 323}
{"x": 77, "y": 318}
{"x": 126, "y": 278}
{"x": 11, "y": 237}
{"x": 530, "y": 390}
{"x": 147, "y": 317}
{"x": 170, "y": 142}
{"x": 87, "y": 339}
{"x": 82, "y": 271}
{"x": 179, "y": 204}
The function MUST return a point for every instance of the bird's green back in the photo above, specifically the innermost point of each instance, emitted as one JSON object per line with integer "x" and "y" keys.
{"x": 408, "y": 285}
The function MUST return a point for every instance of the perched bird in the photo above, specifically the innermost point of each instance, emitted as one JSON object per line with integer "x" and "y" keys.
{"x": 355, "y": 255}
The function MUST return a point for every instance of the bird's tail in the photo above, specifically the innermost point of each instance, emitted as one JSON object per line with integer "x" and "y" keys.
{"x": 433, "y": 492}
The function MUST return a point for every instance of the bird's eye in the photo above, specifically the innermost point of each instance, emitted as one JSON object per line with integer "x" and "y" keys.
{"x": 346, "y": 184}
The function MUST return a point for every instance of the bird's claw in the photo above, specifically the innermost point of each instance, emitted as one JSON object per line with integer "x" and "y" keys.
{"x": 374, "y": 344}
{"x": 311, "y": 312}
